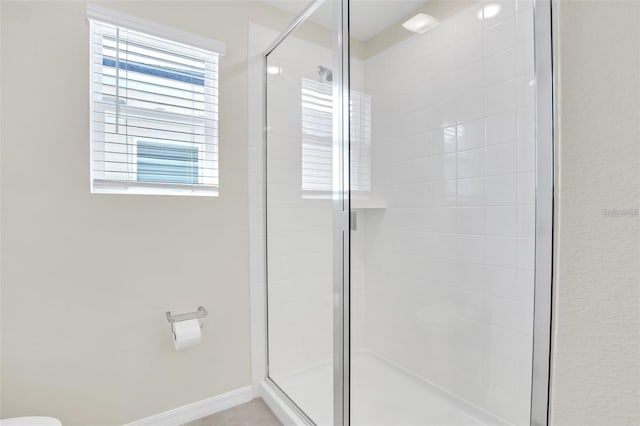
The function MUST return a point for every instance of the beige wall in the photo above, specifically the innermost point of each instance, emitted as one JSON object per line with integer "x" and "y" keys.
{"x": 596, "y": 363}
{"x": 86, "y": 279}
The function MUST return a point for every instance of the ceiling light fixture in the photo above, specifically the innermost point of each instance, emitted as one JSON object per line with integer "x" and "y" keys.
{"x": 489, "y": 11}
{"x": 420, "y": 23}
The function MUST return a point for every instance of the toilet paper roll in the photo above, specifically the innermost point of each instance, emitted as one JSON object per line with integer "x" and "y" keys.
{"x": 186, "y": 334}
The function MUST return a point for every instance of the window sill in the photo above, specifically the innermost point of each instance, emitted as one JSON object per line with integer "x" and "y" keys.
{"x": 148, "y": 188}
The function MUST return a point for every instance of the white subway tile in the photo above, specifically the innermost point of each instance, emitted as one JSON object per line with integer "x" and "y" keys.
{"x": 441, "y": 167}
{"x": 471, "y": 163}
{"x": 439, "y": 246}
{"x": 500, "y": 67}
{"x": 415, "y": 146}
{"x": 448, "y": 113}
{"x": 500, "y": 98}
{"x": 417, "y": 170}
{"x": 467, "y": 23}
{"x": 444, "y": 192}
{"x": 424, "y": 119}
{"x": 471, "y": 134}
{"x": 470, "y": 220}
{"x": 471, "y": 192}
{"x": 419, "y": 195}
{"x": 500, "y": 37}
{"x": 526, "y": 221}
{"x": 501, "y": 251}
{"x": 510, "y": 358}
{"x": 440, "y": 61}
{"x": 525, "y": 285}
{"x": 431, "y": 117}
{"x": 516, "y": 316}
{"x": 524, "y": 5}
{"x": 470, "y": 78}
{"x": 471, "y": 277}
{"x": 501, "y": 221}
{"x": 443, "y": 86}
{"x": 501, "y": 190}
{"x": 526, "y": 188}
{"x": 526, "y": 253}
{"x": 443, "y": 219}
{"x": 525, "y": 57}
{"x": 469, "y": 49}
{"x": 524, "y": 25}
{"x": 502, "y": 282}
{"x": 449, "y": 139}
{"x": 404, "y": 195}
{"x": 470, "y": 248}
{"x": 526, "y": 155}
{"x": 444, "y": 35}
{"x": 526, "y": 123}
{"x": 398, "y": 173}
{"x": 525, "y": 90}
{"x": 501, "y": 159}
{"x": 436, "y": 147}
{"x": 471, "y": 106}
{"x": 414, "y": 98}
{"x": 502, "y": 128}
{"x": 450, "y": 166}
{"x": 422, "y": 220}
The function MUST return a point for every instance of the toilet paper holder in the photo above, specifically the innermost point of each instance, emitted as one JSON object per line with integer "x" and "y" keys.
{"x": 199, "y": 314}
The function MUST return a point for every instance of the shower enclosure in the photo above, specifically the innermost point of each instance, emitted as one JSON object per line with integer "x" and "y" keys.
{"x": 408, "y": 212}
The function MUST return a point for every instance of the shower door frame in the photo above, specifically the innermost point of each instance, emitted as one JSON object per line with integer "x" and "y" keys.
{"x": 544, "y": 51}
{"x": 544, "y": 77}
{"x": 340, "y": 207}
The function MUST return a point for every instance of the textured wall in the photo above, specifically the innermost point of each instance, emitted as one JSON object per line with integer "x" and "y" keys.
{"x": 0, "y": 212}
{"x": 596, "y": 364}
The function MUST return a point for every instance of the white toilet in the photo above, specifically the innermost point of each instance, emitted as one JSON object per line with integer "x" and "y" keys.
{"x": 30, "y": 421}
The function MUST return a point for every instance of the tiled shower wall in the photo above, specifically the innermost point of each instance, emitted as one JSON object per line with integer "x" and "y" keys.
{"x": 448, "y": 267}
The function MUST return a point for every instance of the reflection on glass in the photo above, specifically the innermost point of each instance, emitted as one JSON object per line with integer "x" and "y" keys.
{"x": 317, "y": 122}
{"x": 299, "y": 227}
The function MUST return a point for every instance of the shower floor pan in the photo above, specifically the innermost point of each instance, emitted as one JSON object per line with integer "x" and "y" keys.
{"x": 382, "y": 394}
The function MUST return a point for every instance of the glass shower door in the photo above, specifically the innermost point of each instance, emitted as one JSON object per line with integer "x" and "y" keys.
{"x": 302, "y": 75}
{"x": 443, "y": 194}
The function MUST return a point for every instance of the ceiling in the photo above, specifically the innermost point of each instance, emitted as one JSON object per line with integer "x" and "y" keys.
{"x": 368, "y": 17}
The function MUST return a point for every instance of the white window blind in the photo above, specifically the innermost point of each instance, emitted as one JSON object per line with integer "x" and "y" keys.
{"x": 154, "y": 113}
{"x": 317, "y": 118}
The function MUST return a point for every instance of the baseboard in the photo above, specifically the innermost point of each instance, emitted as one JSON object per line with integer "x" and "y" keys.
{"x": 197, "y": 410}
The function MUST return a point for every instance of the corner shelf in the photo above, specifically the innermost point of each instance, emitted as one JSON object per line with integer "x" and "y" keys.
{"x": 369, "y": 201}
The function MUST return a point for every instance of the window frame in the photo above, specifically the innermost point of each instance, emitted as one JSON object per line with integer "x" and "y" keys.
{"x": 206, "y": 152}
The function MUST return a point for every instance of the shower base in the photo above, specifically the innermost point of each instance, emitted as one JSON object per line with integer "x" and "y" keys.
{"x": 382, "y": 394}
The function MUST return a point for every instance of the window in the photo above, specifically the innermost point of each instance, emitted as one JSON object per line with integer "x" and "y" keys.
{"x": 159, "y": 161}
{"x": 154, "y": 100}
{"x": 317, "y": 119}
